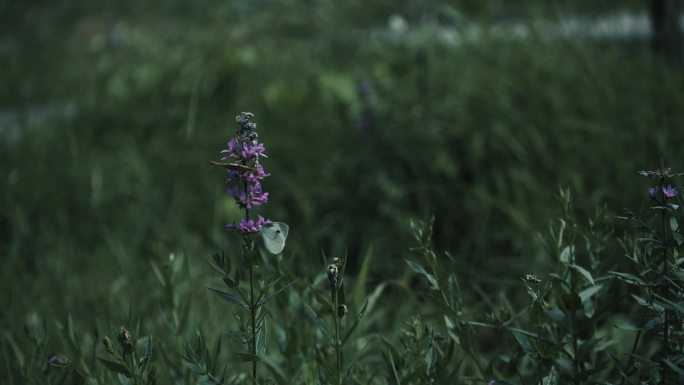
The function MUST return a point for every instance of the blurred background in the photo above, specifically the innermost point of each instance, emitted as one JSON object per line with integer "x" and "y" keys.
{"x": 372, "y": 113}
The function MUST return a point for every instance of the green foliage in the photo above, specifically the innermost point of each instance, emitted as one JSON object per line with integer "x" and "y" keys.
{"x": 374, "y": 113}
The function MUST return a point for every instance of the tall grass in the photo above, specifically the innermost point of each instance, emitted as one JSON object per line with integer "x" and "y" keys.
{"x": 109, "y": 211}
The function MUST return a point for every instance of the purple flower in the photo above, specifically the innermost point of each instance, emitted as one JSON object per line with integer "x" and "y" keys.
{"x": 244, "y": 180}
{"x": 652, "y": 192}
{"x": 56, "y": 360}
{"x": 669, "y": 191}
{"x": 252, "y": 150}
{"x": 248, "y": 225}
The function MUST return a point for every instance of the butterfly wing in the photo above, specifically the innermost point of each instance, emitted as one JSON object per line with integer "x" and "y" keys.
{"x": 274, "y": 235}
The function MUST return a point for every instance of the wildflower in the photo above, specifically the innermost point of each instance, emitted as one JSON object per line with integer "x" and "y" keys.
{"x": 248, "y": 225}
{"x": 669, "y": 191}
{"x": 245, "y": 179}
{"x": 653, "y": 192}
{"x": 60, "y": 361}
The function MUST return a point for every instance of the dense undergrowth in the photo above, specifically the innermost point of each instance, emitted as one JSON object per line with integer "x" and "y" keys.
{"x": 374, "y": 119}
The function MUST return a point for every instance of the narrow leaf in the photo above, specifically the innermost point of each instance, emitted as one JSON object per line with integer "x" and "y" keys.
{"x": 356, "y": 323}
{"x": 586, "y": 274}
{"x": 420, "y": 270}
{"x": 321, "y": 325}
{"x": 116, "y": 367}
{"x": 228, "y": 297}
{"x": 322, "y": 300}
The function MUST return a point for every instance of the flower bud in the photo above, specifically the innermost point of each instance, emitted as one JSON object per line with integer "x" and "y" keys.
{"x": 531, "y": 278}
{"x": 56, "y": 360}
{"x": 125, "y": 340}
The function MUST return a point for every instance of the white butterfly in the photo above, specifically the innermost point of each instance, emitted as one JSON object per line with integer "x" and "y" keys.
{"x": 274, "y": 235}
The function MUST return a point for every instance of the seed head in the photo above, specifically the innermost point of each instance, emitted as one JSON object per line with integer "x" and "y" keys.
{"x": 125, "y": 340}
{"x": 531, "y": 278}
{"x": 332, "y": 271}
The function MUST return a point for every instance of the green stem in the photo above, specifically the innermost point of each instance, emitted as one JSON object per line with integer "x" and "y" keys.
{"x": 634, "y": 346}
{"x": 253, "y": 310}
{"x": 248, "y": 251}
{"x": 666, "y": 326}
{"x": 539, "y": 339}
{"x": 135, "y": 372}
{"x": 573, "y": 314}
{"x": 336, "y": 319}
{"x": 478, "y": 364}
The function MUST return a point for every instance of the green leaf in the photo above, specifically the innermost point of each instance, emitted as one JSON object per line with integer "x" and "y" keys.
{"x": 566, "y": 255}
{"x": 674, "y": 367}
{"x": 246, "y": 357}
{"x": 267, "y": 297}
{"x": 359, "y": 288}
{"x": 216, "y": 264}
{"x": 420, "y": 270}
{"x": 158, "y": 273}
{"x": 678, "y": 238}
{"x": 230, "y": 283}
{"x": 560, "y": 319}
{"x": 589, "y": 292}
{"x": 229, "y": 297}
{"x": 261, "y": 336}
{"x": 588, "y": 308}
{"x": 586, "y": 274}
{"x": 330, "y": 373}
{"x": 195, "y": 367}
{"x": 674, "y": 226}
{"x": 397, "y": 381}
{"x": 355, "y": 324}
{"x": 277, "y": 372}
{"x": 321, "y": 325}
{"x": 116, "y": 367}
{"x": 145, "y": 349}
{"x": 322, "y": 300}
{"x": 673, "y": 305}
{"x": 630, "y": 278}
{"x": 524, "y": 343}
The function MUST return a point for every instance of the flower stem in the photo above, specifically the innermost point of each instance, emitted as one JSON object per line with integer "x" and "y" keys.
{"x": 135, "y": 374}
{"x": 666, "y": 326}
{"x": 539, "y": 339}
{"x": 573, "y": 314}
{"x": 338, "y": 352}
{"x": 253, "y": 310}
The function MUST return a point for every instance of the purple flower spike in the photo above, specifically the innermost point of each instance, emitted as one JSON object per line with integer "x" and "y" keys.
{"x": 669, "y": 191}
{"x": 244, "y": 180}
{"x": 652, "y": 192}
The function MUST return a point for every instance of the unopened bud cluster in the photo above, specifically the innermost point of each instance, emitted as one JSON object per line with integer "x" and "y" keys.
{"x": 125, "y": 340}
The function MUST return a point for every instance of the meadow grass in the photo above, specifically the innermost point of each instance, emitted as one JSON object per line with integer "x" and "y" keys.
{"x": 110, "y": 214}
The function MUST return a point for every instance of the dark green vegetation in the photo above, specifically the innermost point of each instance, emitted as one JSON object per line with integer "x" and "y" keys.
{"x": 372, "y": 116}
